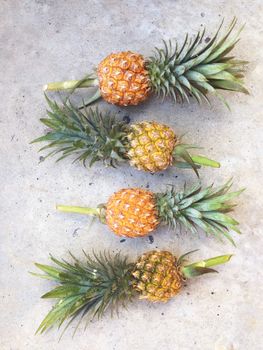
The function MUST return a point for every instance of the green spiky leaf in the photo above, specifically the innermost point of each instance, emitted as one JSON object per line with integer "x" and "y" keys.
{"x": 207, "y": 209}
{"x": 86, "y": 288}
{"x": 86, "y": 135}
{"x": 192, "y": 70}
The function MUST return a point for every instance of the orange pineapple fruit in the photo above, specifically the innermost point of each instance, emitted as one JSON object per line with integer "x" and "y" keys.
{"x": 190, "y": 70}
{"x": 123, "y": 78}
{"x": 131, "y": 212}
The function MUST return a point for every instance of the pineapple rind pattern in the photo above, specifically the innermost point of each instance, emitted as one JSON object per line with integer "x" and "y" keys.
{"x": 123, "y": 78}
{"x": 131, "y": 212}
{"x": 150, "y": 146}
{"x": 156, "y": 276}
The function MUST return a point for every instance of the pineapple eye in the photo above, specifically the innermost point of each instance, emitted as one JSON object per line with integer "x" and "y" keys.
{"x": 124, "y": 64}
{"x": 129, "y": 96}
{"x": 112, "y": 83}
{"x": 135, "y": 67}
{"x": 149, "y": 267}
{"x": 105, "y": 70}
{"x": 135, "y": 87}
{"x": 128, "y": 75}
{"x": 122, "y": 85}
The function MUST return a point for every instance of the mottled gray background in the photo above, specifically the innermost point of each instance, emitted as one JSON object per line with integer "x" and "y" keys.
{"x": 46, "y": 40}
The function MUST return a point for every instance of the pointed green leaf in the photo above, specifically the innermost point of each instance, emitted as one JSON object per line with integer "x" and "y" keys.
{"x": 205, "y": 161}
{"x": 213, "y": 215}
{"x": 192, "y": 213}
{"x": 229, "y": 85}
{"x": 62, "y": 292}
{"x": 195, "y": 76}
{"x": 49, "y": 270}
{"x": 211, "y": 69}
{"x": 182, "y": 257}
{"x": 217, "y": 260}
{"x": 189, "y": 271}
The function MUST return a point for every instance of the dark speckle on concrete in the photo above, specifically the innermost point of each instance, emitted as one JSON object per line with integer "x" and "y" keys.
{"x": 75, "y": 232}
{"x": 151, "y": 239}
{"x": 126, "y": 119}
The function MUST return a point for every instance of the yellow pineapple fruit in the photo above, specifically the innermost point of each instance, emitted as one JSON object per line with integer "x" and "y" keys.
{"x": 157, "y": 276}
{"x": 148, "y": 145}
{"x": 135, "y": 212}
{"x": 105, "y": 281}
{"x": 151, "y": 146}
{"x": 192, "y": 70}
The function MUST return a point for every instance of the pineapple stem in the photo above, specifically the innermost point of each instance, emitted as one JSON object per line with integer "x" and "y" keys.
{"x": 222, "y": 259}
{"x": 183, "y": 159}
{"x": 79, "y": 210}
{"x": 205, "y": 161}
{"x": 204, "y": 266}
{"x": 71, "y": 84}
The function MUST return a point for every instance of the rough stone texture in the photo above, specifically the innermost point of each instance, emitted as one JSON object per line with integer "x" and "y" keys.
{"x": 48, "y": 40}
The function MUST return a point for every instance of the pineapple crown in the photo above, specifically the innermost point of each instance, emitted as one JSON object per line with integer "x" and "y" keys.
{"x": 185, "y": 71}
{"x": 90, "y": 135}
{"x": 100, "y": 283}
{"x": 86, "y": 288}
{"x": 193, "y": 208}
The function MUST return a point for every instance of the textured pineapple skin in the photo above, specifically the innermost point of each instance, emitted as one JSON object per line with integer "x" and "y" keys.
{"x": 123, "y": 79}
{"x": 156, "y": 276}
{"x": 131, "y": 212}
{"x": 150, "y": 146}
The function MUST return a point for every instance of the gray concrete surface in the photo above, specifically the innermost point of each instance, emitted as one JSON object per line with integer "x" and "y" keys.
{"x": 46, "y": 40}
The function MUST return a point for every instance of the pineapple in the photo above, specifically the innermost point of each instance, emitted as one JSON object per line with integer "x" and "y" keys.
{"x": 136, "y": 212}
{"x": 151, "y": 146}
{"x": 148, "y": 145}
{"x": 192, "y": 70}
{"x": 157, "y": 276}
{"x": 124, "y": 79}
{"x": 88, "y": 289}
{"x": 132, "y": 212}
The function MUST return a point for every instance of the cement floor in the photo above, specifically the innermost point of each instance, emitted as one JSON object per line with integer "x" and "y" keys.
{"x": 46, "y": 40}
